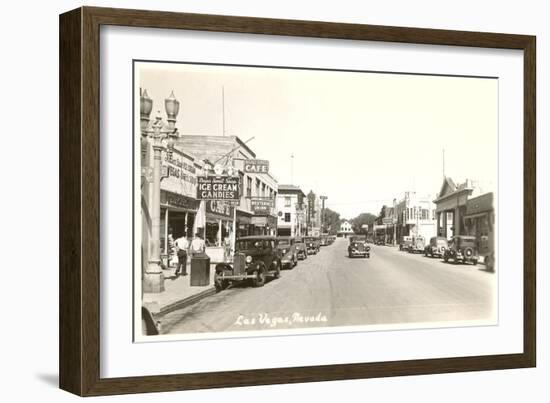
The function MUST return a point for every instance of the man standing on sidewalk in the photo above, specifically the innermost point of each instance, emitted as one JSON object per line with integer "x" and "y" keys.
{"x": 182, "y": 245}
{"x": 197, "y": 245}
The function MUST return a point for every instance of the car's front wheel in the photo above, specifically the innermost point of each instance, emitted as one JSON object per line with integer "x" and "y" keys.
{"x": 219, "y": 282}
{"x": 259, "y": 279}
{"x": 277, "y": 270}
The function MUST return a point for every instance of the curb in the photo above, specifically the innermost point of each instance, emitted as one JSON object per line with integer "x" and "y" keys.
{"x": 183, "y": 303}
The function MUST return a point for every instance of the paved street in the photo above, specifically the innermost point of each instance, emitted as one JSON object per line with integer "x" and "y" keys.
{"x": 329, "y": 289}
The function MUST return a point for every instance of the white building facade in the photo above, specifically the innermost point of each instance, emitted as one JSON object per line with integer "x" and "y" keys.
{"x": 290, "y": 208}
{"x": 345, "y": 229}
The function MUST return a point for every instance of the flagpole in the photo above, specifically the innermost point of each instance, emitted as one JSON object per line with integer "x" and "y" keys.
{"x": 223, "y": 110}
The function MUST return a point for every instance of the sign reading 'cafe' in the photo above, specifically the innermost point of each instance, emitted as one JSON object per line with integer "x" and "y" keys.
{"x": 256, "y": 166}
{"x": 218, "y": 188}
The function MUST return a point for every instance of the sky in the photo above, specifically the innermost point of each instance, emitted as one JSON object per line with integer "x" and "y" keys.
{"x": 362, "y": 139}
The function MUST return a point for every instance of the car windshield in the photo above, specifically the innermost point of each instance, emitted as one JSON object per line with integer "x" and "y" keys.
{"x": 299, "y": 240}
{"x": 466, "y": 242}
{"x": 250, "y": 244}
{"x": 284, "y": 242}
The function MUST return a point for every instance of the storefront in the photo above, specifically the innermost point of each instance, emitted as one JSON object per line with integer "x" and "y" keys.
{"x": 177, "y": 215}
{"x": 244, "y": 224}
{"x": 178, "y": 203}
{"x": 219, "y": 222}
{"x": 479, "y": 221}
{"x": 451, "y": 208}
{"x": 264, "y": 224}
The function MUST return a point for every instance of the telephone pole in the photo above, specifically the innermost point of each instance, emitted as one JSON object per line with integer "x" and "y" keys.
{"x": 323, "y": 198}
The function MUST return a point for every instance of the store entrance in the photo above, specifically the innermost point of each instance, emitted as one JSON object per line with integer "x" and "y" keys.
{"x": 176, "y": 224}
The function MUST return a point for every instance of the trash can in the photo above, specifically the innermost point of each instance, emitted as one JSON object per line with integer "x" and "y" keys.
{"x": 200, "y": 271}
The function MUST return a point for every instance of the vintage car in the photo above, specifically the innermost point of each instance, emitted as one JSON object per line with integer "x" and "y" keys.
{"x": 323, "y": 240}
{"x": 311, "y": 245}
{"x": 405, "y": 243}
{"x": 255, "y": 259}
{"x": 331, "y": 239}
{"x": 418, "y": 244}
{"x": 380, "y": 240}
{"x": 301, "y": 249}
{"x": 461, "y": 249}
{"x": 358, "y": 246}
{"x": 287, "y": 246}
{"x": 436, "y": 247}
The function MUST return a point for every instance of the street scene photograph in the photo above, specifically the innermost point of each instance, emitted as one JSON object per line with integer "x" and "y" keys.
{"x": 280, "y": 201}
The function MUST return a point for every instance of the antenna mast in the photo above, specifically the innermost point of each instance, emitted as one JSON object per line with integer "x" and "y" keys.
{"x": 223, "y": 110}
{"x": 443, "y": 163}
{"x": 292, "y": 169}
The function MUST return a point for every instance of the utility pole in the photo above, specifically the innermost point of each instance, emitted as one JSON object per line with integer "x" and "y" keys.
{"x": 443, "y": 164}
{"x": 323, "y": 198}
{"x": 223, "y": 111}
{"x": 292, "y": 169}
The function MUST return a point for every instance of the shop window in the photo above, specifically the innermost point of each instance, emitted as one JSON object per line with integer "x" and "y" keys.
{"x": 287, "y": 217}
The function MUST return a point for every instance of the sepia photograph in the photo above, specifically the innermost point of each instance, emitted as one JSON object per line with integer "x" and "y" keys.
{"x": 270, "y": 200}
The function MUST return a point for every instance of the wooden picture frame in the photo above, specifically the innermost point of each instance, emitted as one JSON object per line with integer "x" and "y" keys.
{"x": 79, "y": 312}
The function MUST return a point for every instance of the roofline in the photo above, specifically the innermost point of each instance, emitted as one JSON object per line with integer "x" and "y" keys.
{"x": 456, "y": 192}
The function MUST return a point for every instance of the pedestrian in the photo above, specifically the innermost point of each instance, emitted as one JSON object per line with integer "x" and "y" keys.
{"x": 171, "y": 249}
{"x": 182, "y": 246}
{"x": 197, "y": 245}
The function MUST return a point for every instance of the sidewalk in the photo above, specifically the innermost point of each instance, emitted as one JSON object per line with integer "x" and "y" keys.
{"x": 178, "y": 292}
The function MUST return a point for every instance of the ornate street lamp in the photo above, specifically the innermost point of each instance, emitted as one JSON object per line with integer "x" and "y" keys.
{"x": 158, "y": 136}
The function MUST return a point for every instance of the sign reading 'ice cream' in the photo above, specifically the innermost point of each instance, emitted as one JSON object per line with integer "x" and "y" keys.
{"x": 218, "y": 188}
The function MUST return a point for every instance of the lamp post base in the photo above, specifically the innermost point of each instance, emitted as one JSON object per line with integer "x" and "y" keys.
{"x": 153, "y": 278}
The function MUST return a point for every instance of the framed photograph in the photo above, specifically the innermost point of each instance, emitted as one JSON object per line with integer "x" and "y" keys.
{"x": 248, "y": 201}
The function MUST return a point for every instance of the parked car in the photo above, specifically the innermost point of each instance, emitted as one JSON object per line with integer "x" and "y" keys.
{"x": 311, "y": 245}
{"x": 418, "y": 244}
{"x": 462, "y": 249}
{"x": 287, "y": 246}
{"x": 358, "y": 246}
{"x": 317, "y": 240}
{"x": 331, "y": 239}
{"x": 406, "y": 243}
{"x": 436, "y": 247}
{"x": 301, "y": 249}
{"x": 380, "y": 240}
{"x": 256, "y": 258}
{"x": 323, "y": 239}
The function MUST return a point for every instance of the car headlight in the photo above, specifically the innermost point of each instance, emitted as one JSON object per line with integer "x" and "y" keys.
{"x": 249, "y": 259}
{"x": 284, "y": 251}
